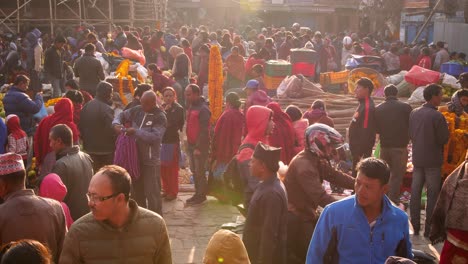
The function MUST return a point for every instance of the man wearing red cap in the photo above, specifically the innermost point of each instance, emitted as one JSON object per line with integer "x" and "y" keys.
{"x": 25, "y": 215}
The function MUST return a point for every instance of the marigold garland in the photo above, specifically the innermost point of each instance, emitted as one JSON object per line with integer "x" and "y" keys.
{"x": 457, "y": 144}
{"x": 215, "y": 83}
{"x": 52, "y": 101}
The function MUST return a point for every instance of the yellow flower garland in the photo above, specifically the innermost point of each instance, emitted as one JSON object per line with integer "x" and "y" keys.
{"x": 52, "y": 102}
{"x": 457, "y": 145}
{"x": 215, "y": 83}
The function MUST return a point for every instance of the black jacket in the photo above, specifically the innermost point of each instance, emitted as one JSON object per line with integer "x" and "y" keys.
{"x": 175, "y": 122}
{"x": 429, "y": 133}
{"x": 96, "y": 127}
{"x": 90, "y": 71}
{"x": 362, "y": 128}
{"x": 265, "y": 227}
{"x": 392, "y": 121}
{"x": 53, "y": 62}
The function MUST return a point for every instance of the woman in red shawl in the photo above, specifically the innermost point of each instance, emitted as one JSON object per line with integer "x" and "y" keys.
{"x": 17, "y": 138}
{"x": 226, "y": 141}
{"x": 235, "y": 70}
{"x": 283, "y": 133}
{"x": 63, "y": 115}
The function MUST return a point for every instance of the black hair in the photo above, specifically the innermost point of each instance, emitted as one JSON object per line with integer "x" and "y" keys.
{"x": 62, "y": 132}
{"x": 440, "y": 44}
{"x": 75, "y": 96}
{"x": 120, "y": 179}
{"x": 462, "y": 56}
{"x": 319, "y": 104}
{"x": 366, "y": 83}
{"x": 462, "y": 93}
{"x": 90, "y": 47}
{"x": 195, "y": 88}
{"x": 185, "y": 43}
{"x": 294, "y": 112}
{"x": 14, "y": 178}
{"x": 141, "y": 88}
{"x": 91, "y": 35}
{"x": 126, "y": 28}
{"x": 25, "y": 251}
{"x": 426, "y": 51}
{"x": 60, "y": 39}
{"x": 153, "y": 67}
{"x": 104, "y": 89}
{"x": 258, "y": 68}
{"x": 375, "y": 169}
{"x": 390, "y": 90}
{"x": 431, "y": 90}
{"x": 233, "y": 99}
{"x": 73, "y": 84}
{"x": 20, "y": 78}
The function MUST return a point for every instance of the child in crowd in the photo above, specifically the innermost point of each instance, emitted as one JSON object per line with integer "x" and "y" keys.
{"x": 17, "y": 138}
{"x": 52, "y": 187}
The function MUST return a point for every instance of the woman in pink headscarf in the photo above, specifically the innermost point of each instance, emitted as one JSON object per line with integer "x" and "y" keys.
{"x": 52, "y": 187}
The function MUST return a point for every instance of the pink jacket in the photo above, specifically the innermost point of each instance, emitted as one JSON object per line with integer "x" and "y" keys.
{"x": 52, "y": 187}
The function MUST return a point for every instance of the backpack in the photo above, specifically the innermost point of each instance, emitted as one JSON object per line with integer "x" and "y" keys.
{"x": 233, "y": 184}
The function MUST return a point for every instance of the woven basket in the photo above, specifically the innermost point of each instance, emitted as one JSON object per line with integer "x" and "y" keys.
{"x": 272, "y": 82}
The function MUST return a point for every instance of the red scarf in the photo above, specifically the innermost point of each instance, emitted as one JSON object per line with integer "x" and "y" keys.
{"x": 14, "y": 127}
{"x": 283, "y": 133}
{"x": 227, "y": 135}
{"x": 63, "y": 115}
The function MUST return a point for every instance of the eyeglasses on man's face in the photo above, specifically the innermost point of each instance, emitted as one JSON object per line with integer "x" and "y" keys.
{"x": 92, "y": 197}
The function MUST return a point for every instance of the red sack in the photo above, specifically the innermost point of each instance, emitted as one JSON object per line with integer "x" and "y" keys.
{"x": 419, "y": 76}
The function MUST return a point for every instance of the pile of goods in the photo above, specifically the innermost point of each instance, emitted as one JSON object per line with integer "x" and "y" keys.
{"x": 275, "y": 72}
{"x": 371, "y": 62}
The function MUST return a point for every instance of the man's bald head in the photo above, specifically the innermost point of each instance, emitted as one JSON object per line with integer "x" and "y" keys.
{"x": 148, "y": 101}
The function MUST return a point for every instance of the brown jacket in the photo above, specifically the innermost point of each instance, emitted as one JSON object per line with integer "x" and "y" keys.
{"x": 303, "y": 183}
{"x": 142, "y": 240}
{"x": 24, "y": 215}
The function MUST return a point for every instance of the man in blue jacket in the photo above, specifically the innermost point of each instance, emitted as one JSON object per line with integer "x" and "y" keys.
{"x": 364, "y": 228}
{"x": 17, "y": 102}
{"x": 148, "y": 124}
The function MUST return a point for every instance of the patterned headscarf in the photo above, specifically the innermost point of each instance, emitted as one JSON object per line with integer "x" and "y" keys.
{"x": 455, "y": 105}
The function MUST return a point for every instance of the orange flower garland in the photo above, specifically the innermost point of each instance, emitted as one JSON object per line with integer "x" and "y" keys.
{"x": 215, "y": 83}
{"x": 458, "y": 143}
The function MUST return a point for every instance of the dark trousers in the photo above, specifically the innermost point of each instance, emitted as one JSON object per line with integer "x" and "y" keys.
{"x": 147, "y": 189}
{"x": 300, "y": 233}
{"x": 198, "y": 168}
{"x": 433, "y": 179}
{"x": 396, "y": 159}
{"x": 358, "y": 154}
{"x": 101, "y": 160}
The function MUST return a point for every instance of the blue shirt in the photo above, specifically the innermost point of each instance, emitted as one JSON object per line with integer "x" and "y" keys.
{"x": 357, "y": 241}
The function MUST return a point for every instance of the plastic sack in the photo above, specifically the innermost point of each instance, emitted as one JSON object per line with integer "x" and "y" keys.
{"x": 449, "y": 80}
{"x": 142, "y": 71}
{"x": 405, "y": 89}
{"x": 420, "y": 76}
{"x": 137, "y": 55}
{"x": 417, "y": 96}
{"x": 41, "y": 114}
{"x": 397, "y": 78}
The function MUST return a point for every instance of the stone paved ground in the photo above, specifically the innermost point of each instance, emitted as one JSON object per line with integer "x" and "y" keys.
{"x": 190, "y": 228}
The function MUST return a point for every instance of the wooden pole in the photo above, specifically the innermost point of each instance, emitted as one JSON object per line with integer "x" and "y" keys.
{"x": 111, "y": 16}
{"x": 18, "y": 22}
{"x": 426, "y": 22}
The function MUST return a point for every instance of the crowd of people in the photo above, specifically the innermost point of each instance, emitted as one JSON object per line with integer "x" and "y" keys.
{"x": 102, "y": 172}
